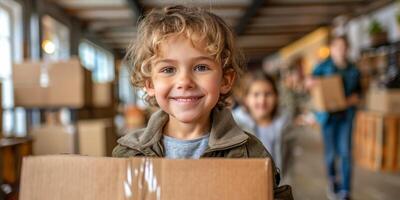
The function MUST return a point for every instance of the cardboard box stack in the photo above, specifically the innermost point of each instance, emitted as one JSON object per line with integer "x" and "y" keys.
{"x": 96, "y": 137}
{"x": 384, "y": 100}
{"x": 328, "y": 94}
{"x": 102, "y": 95}
{"x": 376, "y": 141}
{"x": 81, "y": 177}
{"x": 52, "y": 84}
{"x": 54, "y": 139}
{"x": 102, "y": 103}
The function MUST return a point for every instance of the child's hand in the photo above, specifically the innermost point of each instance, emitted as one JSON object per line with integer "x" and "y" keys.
{"x": 352, "y": 100}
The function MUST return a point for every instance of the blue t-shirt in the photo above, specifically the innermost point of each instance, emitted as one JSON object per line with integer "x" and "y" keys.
{"x": 178, "y": 149}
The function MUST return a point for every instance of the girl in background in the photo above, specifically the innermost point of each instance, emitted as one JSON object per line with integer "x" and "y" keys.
{"x": 260, "y": 114}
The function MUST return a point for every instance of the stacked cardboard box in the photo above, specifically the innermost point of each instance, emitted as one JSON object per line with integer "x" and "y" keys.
{"x": 376, "y": 140}
{"x": 384, "y": 100}
{"x": 81, "y": 177}
{"x": 52, "y": 84}
{"x": 103, "y": 95}
{"x": 328, "y": 94}
{"x": 54, "y": 139}
{"x": 102, "y": 104}
{"x": 96, "y": 137}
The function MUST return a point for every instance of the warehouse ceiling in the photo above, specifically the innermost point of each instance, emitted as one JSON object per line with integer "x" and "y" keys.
{"x": 262, "y": 26}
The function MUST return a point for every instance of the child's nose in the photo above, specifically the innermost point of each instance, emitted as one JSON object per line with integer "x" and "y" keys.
{"x": 185, "y": 81}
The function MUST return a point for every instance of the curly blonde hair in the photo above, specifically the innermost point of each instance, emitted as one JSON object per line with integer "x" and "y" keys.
{"x": 192, "y": 23}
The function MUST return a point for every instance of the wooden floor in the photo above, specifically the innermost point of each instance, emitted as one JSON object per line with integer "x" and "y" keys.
{"x": 308, "y": 177}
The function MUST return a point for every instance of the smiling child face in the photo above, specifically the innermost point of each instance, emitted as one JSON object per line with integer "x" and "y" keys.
{"x": 186, "y": 81}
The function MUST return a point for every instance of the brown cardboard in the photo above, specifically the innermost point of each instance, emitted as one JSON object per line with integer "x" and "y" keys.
{"x": 384, "y": 100}
{"x": 26, "y": 82}
{"x": 53, "y": 139}
{"x": 67, "y": 86}
{"x": 96, "y": 137}
{"x": 328, "y": 94}
{"x": 78, "y": 177}
{"x": 102, "y": 94}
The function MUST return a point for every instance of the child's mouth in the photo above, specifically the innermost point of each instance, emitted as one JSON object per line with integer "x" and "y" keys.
{"x": 189, "y": 99}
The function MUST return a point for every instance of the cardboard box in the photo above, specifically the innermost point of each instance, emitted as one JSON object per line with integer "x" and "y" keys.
{"x": 103, "y": 95}
{"x": 96, "y": 137}
{"x": 68, "y": 84}
{"x": 27, "y": 89}
{"x": 54, "y": 139}
{"x": 328, "y": 94}
{"x": 384, "y": 100}
{"x": 78, "y": 177}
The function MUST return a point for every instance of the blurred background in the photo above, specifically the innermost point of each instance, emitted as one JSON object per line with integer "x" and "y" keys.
{"x": 66, "y": 89}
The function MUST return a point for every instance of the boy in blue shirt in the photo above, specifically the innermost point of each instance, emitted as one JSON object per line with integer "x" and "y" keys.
{"x": 337, "y": 126}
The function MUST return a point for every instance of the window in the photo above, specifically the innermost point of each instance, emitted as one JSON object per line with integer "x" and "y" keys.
{"x": 10, "y": 52}
{"x": 127, "y": 93}
{"x": 98, "y": 60}
{"x": 55, "y": 39}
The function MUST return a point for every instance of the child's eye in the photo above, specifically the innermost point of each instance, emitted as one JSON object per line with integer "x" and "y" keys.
{"x": 168, "y": 70}
{"x": 201, "y": 68}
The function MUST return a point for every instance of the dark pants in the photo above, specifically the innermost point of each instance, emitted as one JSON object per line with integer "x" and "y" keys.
{"x": 337, "y": 144}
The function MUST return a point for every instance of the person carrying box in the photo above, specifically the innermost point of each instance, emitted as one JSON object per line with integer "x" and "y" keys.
{"x": 337, "y": 125}
{"x": 186, "y": 60}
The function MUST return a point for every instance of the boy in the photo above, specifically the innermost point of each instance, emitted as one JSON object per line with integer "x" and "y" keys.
{"x": 337, "y": 126}
{"x": 186, "y": 61}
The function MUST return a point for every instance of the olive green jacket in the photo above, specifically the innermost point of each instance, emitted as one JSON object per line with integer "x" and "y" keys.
{"x": 226, "y": 140}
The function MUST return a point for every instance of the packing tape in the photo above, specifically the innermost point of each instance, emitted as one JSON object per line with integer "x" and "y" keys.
{"x": 142, "y": 183}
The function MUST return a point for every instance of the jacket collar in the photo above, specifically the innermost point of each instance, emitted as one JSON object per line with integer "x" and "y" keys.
{"x": 224, "y": 131}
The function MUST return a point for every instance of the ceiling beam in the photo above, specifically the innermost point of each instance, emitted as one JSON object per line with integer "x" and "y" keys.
{"x": 325, "y": 10}
{"x": 262, "y": 41}
{"x": 79, "y": 4}
{"x": 277, "y": 24}
{"x": 118, "y": 35}
{"x": 373, "y": 5}
{"x": 104, "y": 25}
{"x": 248, "y": 15}
{"x": 198, "y": 3}
{"x": 280, "y": 30}
{"x": 318, "y": 3}
{"x": 105, "y": 14}
{"x": 208, "y": 6}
